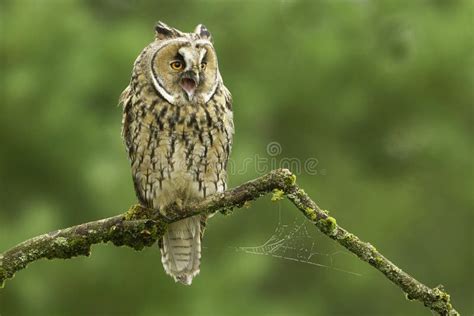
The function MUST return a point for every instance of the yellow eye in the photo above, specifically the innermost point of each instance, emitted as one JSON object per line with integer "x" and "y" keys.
{"x": 203, "y": 65}
{"x": 177, "y": 65}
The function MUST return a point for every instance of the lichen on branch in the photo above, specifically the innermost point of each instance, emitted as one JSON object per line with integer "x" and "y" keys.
{"x": 140, "y": 227}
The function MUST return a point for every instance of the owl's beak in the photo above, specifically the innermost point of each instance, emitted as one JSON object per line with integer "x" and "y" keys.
{"x": 189, "y": 82}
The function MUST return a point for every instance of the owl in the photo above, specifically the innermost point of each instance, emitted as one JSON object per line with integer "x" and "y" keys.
{"x": 177, "y": 127}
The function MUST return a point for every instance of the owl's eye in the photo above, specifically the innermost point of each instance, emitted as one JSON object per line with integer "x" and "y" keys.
{"x": 177, "y": 65}
{"x": 203, "y": 65}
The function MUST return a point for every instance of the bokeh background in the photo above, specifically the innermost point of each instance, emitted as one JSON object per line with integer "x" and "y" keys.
{"x": 379, "y": 93}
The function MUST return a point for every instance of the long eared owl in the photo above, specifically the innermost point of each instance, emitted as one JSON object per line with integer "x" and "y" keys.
{"x": 177, "y": 128}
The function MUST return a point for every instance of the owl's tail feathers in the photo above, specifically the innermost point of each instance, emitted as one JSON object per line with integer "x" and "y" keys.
{"x": 181, "y": 249}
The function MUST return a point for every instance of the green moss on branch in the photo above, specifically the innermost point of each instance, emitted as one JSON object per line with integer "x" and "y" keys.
{"x": 140, "y": 227}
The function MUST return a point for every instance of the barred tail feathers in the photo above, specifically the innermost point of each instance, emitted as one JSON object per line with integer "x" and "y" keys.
{"x": 181, "y": 249}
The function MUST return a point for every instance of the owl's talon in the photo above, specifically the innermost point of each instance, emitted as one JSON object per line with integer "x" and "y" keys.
{"x": 165, "y": 218}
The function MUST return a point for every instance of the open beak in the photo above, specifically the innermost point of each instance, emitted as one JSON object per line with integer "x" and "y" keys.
{"x": 189, "y": 82}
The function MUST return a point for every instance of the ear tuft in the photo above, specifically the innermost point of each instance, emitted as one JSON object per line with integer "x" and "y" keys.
{"x": 163, "y": 31}
{"x": 202, "y": 31}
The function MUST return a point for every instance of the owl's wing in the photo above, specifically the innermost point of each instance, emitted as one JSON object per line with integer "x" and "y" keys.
{"x": 228, "y": 97}
{"x": 126, "y": 101}
{"x": 126, "y": 96}
{"x": 228, "y": 125}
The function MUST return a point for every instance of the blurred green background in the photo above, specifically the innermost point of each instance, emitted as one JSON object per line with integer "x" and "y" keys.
{"x": 379, "y": 93}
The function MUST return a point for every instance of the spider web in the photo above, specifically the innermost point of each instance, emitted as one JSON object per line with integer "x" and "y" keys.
{"x": 293, "y": 242}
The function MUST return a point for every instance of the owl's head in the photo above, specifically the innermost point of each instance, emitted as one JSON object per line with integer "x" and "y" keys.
{"x": 183, "y": 66}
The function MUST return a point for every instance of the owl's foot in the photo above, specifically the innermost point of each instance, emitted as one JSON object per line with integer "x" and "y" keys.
{"x": 172, "y": 211}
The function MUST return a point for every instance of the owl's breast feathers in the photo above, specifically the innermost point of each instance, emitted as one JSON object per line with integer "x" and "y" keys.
{"x": 177, "y": 153}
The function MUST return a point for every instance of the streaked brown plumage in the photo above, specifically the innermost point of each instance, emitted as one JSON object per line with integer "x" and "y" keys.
{"x": 178, "y": 128}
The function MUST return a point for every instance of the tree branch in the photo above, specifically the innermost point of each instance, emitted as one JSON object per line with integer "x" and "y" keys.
{"x": 140, "y": 227}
